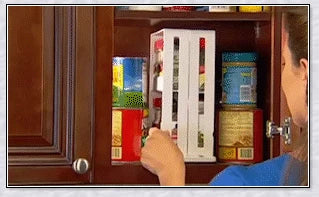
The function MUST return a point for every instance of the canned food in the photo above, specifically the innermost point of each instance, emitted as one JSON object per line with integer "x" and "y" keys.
{"x": 129, "y": 82}
{"x": 222, "y": 8}
{"x": 250, "y": 8}
{"x": 239, "y": 80}
{"x": 267, "y": 8}
{"x": 178, "y": 8}
{"x": 202, "y": 8}
{"x": 240, "y": 136}
{"x": 126, "y": 134}
{"x": 145, "y": 8}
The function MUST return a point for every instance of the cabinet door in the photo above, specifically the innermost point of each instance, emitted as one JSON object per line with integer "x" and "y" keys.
{"x": 50, "y": 80}
{"x": 284, "y": 114}
{"x": 279, "y": 107}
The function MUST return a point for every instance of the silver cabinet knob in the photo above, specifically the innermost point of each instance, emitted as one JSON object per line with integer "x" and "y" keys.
{"x": 80, "y": 166}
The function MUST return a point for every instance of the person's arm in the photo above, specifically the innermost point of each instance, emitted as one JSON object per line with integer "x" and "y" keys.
{"x": 161, "y": 156}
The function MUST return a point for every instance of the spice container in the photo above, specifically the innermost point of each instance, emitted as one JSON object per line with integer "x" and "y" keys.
{"x": 239, "y": 79}
{"x": 157, "y": 105}
{"x": 267, "y": 8}
{"x": 174, "y": 134}
{"x": 202, "y": 8}
{"x": 188, "y": 55}
{"x": 122, "y": 7}
{"x": 145, "y": 8}
{"x": 240, "y": 136}
{"x": 250, "y": 8}
{"x": 222, "y": 8}
{"x": 145, "y": 126}
{"x": 201, "y": 95}
{"x": 178, "y": 8}
{"x": 158, "y": 66}
{"x": 175, "y": 64}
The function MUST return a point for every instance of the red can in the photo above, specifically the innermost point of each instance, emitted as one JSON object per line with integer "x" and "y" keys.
{"x": 178, "y": 8}
{"x": 240, "y": 136}
{"x": 126, "y": 134}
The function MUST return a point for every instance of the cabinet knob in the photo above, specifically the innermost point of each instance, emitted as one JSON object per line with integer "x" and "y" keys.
{"x": 80, "y": 165}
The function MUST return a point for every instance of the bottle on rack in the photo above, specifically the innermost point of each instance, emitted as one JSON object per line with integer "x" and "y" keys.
{"x": 175, "y": 78}
{"x": 175, "y": 64}
{"x": 157, "y": 104}
{"x": 201, "y": 95}
{"x": 158, "y": 67}
{"x": 174, "y": 134}
{"x": 179, "y": 8}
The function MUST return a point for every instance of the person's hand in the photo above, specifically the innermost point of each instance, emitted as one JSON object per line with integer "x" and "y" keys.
{"x": 161, "y": 156}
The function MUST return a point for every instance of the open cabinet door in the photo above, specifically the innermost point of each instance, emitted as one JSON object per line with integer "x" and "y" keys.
{"x": 279, "y": 108}
{"x": 286, "y": 145}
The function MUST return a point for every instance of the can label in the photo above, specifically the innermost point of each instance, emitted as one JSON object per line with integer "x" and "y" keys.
{"x": 116, "y": 134}
{"x": 245, "y": 153}
{"x": 222, "y": 8}
{"x": 250, "y": 8}
{"x": 239, "y": 85}
{"x": 129, "y": 82}
{"x": 236, "y": 135}
{"x": 117, "y": 82}
{"x": 127, "y": 128}
{"x": 178, "y": 8}
{"x": 227, "y": 153}
{"x": 240, "y": 136}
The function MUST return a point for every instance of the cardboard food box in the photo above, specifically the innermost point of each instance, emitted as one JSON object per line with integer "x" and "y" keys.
{"x": 126, "y": 134}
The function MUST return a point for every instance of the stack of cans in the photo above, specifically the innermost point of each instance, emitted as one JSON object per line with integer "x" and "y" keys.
{"x": 240, "y": 121}
{"x": 129, "y": 103}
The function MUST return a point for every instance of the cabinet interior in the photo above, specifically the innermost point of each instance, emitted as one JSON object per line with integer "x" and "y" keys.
{"x": 234, "y": 32}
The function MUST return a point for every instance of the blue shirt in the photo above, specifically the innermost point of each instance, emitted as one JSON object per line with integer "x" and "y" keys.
{"x": 282, "y": 170}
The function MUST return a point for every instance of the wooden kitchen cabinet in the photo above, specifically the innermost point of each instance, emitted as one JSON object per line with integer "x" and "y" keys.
{"x": 127, "y": 33}
{"x": 60, "y": 85}
{"x": 50, "y": 94}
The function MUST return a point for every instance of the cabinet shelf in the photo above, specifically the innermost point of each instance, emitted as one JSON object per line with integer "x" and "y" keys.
{"x": 128, "y": 34}
{"x": 204, "y": 172}
{"x": 155, "y": 17}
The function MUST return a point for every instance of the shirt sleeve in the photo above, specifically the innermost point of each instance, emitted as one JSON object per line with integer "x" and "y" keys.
{"x": 268, "y": 173}
{"x": 231, "y": 176}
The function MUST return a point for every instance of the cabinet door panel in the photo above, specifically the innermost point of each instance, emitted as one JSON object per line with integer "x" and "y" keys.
{"x": 50, "y": 93}
{"x": 279, "y": 108}
{"x": 275, "y": 78}
{"x": 31, "y": 76}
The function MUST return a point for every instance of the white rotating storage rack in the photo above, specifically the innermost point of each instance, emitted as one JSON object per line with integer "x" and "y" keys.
{"x": 189, "y": 120}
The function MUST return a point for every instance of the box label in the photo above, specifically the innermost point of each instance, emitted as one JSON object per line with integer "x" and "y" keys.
{"x": 117, "y": 82}
{"x": 116, "y": 134}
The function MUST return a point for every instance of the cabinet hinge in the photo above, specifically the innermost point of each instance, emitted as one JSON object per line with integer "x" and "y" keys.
{"x": 284, "y": 131}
